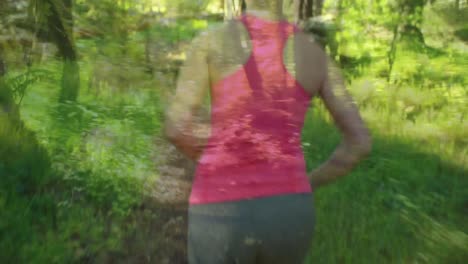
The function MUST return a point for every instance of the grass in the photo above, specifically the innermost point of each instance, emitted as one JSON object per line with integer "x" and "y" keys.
{"x": 398, "y": 206}
{"x": 407, "y": 203}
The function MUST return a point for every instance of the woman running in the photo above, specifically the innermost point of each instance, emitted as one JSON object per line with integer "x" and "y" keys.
{"x": 251, "y": 199}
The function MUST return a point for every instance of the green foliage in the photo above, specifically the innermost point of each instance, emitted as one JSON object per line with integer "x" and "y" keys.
{"x": 105, "y": 18}
{"x": 24, "y": 164}
{"x": 25, "y": 172}
{"x": 38, "y": 12}
{"x": 20, "y": 83}
{"x": 414, "y": 184}
{"x": 187, "y": 7}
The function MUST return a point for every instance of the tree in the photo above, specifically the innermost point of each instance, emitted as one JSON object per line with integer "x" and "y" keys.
{"x": 407, "y": 24}
{"x": 411, "y": 17}
{"x": 233, "y": 8}
{"x": 54, "y": 18}
{"x": 306, "y": 9}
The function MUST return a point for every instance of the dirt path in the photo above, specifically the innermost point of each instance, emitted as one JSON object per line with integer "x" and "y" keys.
{"x": 168, "y": 200}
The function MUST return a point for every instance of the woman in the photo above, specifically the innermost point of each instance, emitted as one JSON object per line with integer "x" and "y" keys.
{"x": 251, "y": 199}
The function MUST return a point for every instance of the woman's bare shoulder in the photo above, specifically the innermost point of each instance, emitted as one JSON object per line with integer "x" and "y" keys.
{"x": 309, "y": 46}
{"x": 309, "y": 61}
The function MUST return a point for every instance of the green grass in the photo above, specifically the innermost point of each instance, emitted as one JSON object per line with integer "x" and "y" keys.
{"x": 405, "y": 204}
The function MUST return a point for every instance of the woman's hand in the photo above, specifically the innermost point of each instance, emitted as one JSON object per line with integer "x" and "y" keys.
{"x": 190, "y": 139}
{"x": 356, "y": 140}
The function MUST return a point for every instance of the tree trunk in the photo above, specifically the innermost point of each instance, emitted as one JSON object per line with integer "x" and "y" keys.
{"x": 233, "y": 8}
{"x": 60, "y": 28}
{"x": 6, "y": 97}
{"x": 318, "y": 7}
{"x": 2, "y": 66}
{"x": 412, "y": 19}
{"x": 306, "y": 9}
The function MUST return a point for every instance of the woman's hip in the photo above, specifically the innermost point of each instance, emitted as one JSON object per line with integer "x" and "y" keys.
{"x": 252, "y": 229}
{"x": 262, "y": 216}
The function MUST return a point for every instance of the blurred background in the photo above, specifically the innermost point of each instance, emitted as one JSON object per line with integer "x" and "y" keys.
{"x": 84, "y": 85}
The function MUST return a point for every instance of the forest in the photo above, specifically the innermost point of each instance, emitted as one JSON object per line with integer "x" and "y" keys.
{"x": 85, "y": 168}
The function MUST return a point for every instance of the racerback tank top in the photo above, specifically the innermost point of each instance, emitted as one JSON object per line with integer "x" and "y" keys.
{"x": 257, "y": 114}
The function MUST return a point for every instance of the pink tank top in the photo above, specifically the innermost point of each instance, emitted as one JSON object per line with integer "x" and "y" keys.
{"x": 257, "y": 115}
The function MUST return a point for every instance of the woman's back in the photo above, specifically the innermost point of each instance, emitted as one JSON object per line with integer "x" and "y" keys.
{"x": 230, "y": 46}
{"x": 257, "y": 113}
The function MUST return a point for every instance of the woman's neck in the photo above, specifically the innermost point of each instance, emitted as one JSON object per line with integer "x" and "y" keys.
{"x": 265, "y": 14}
{"x": 266, "y": 9}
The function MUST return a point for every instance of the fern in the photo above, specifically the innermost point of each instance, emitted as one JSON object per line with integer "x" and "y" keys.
{"x": 20, "y": 83}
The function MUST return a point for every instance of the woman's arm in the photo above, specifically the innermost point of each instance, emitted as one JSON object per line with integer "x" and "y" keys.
{"x": 181, "y": 127}
{"x": 356, "y": 140}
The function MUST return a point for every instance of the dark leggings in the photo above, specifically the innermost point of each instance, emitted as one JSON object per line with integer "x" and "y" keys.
{"x": 272, "y": 230}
